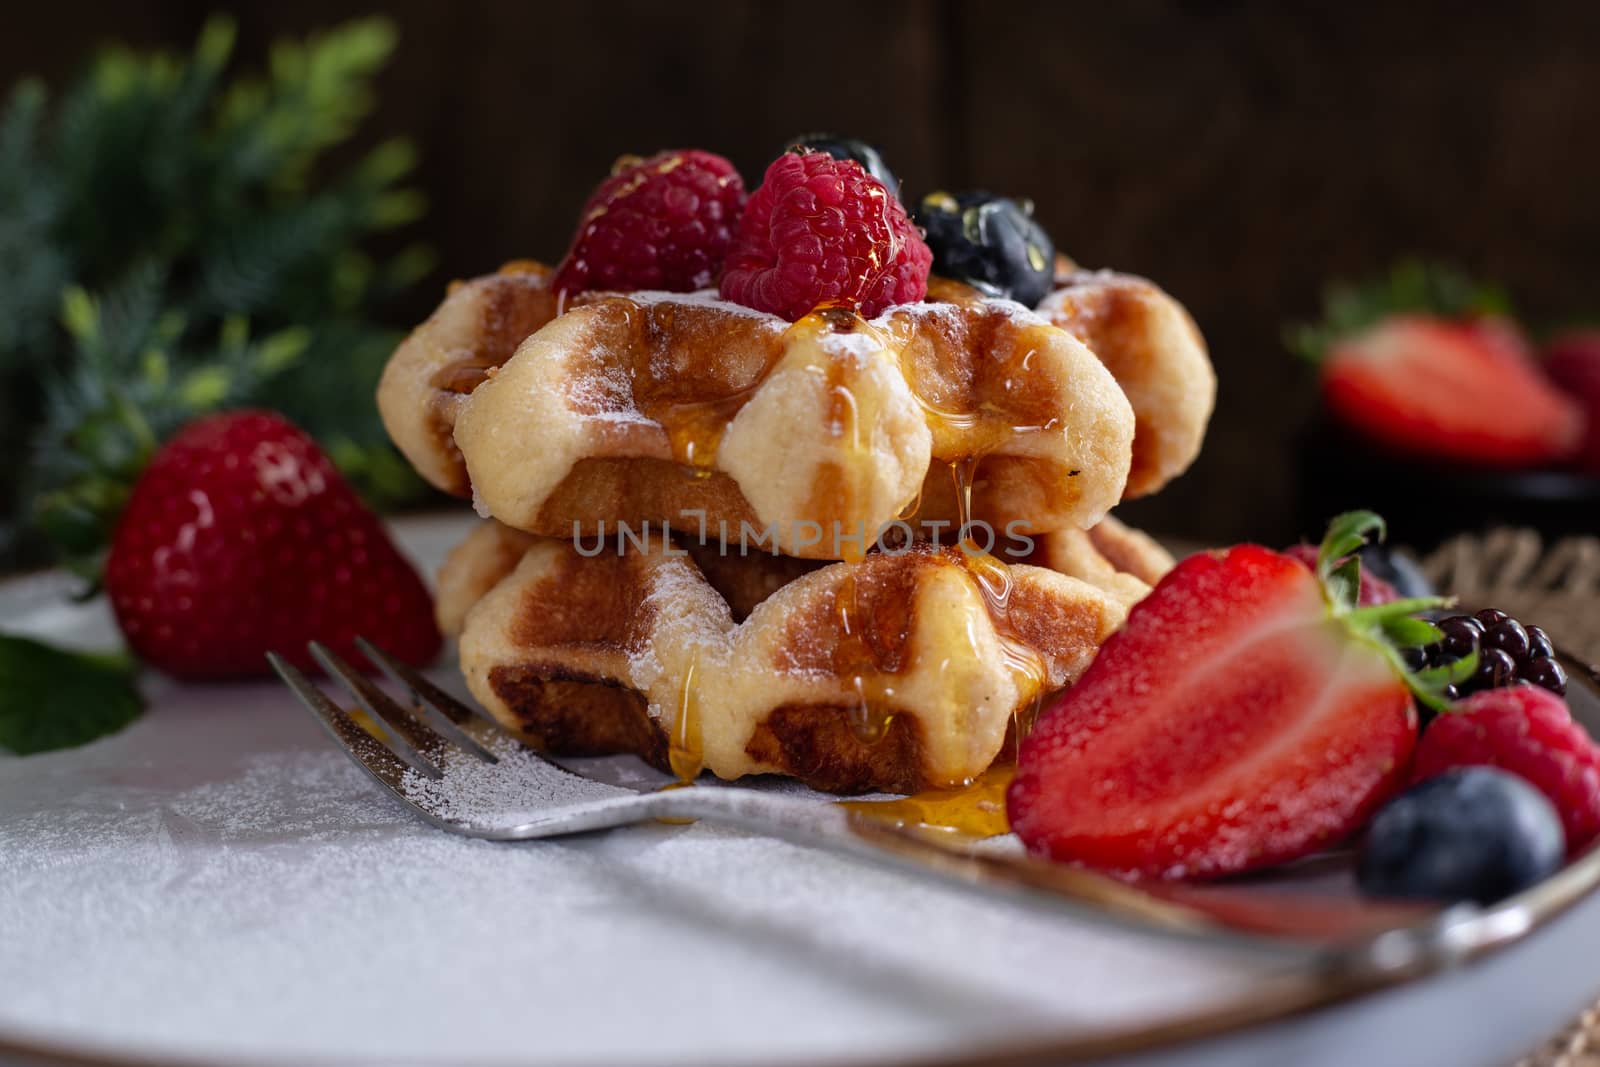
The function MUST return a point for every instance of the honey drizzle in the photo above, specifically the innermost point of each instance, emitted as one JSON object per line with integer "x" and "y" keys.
{"x": 695, "y": 429}
{"x": 685, "y": 751}
{"x": 872, "y": 682}
{"x": 976, "y": 809}
{"x": 856, "y": 659}
{"x": 1026, "y": 666}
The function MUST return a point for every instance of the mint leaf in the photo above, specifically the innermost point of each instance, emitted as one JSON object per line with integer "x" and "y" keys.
{"x": 51, "y": 699}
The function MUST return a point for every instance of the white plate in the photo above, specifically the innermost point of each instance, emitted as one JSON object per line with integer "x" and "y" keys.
{"x": 219, "y": 883}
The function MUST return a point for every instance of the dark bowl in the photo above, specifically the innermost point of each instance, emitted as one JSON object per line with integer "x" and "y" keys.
{"x": 1427, "y": 502}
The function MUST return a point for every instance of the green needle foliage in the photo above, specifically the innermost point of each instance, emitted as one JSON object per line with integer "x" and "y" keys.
{"x": 175, "y": 240}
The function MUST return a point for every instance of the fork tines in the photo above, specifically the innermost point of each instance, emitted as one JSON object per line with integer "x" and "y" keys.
{"x": 420, "y": 737}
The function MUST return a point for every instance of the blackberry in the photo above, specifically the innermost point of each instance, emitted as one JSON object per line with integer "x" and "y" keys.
{"x": 1544, "y": 672}
{"x": 1495, "y": 669}
{"x": 1508, "y": 653}
{"x": 991, "y": 243}
{"x": 849, "y": 148}
{"x": 1508, "y": 636}
{"x": 1461, "y": 635}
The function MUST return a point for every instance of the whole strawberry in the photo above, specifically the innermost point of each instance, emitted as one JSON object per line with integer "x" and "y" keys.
{"x": 665, "y": 222}
{"x": 822, "y": 231}
{"x": 1246, "y": 714}
{"x": 1528, "y": 731}
{"x": 241, "y": 538}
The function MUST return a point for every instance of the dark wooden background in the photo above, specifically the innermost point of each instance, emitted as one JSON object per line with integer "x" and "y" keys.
{"x": 1240, "y": 154}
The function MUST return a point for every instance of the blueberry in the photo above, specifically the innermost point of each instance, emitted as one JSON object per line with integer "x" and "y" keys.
{"x": 1398, "y": 568}
{"x": 849, "y": 148}
{"x": 1474, "y": 833}
{"x": 989, "y": 242}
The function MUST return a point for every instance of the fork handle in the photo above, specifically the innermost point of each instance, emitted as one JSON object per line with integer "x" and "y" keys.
{"x": 1016, "y": 879}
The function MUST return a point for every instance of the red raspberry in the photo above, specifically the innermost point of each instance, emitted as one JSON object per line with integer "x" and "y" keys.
{"x": 665, "y": 222}
{"x": 1528, "y": 731}
{"x": 823, "y": 231}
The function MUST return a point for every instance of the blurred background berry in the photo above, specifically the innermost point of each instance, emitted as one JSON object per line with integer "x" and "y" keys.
{"x": 1243, "y": 155}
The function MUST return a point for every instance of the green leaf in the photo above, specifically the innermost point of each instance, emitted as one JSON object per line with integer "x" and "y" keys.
{"x": 205, "y": 388}
{"x": 1347, "y": 533}
{"x": 1342, "y": 582}
{"x": 1380, "y": 615}
{"x": 79, "y": 314}
{"x": 1411, "y": 286}
{"x": 1407, "y": 631}
{"x": 51, "y": 698}
{"x": 1456, "y": 672}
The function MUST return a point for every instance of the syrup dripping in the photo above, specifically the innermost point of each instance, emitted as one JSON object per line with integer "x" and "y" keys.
{"x": 856, "y": 658}
{"x": 988, "y": 424}
{"x": 685, "y": 754}
{"x": 976, "y": 809}
{"x": 993, "y": 576}
{"x": 695, "y": 429}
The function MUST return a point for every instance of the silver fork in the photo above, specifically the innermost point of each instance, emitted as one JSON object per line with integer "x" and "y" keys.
{"x": 438, "y": 736}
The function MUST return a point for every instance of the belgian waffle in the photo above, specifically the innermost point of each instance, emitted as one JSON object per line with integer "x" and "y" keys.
{"x": 831, "y": 424}
{"x": 1154, "y": 350}
{"x": 1110, "y": 555}
{"x": 894, "y": 673}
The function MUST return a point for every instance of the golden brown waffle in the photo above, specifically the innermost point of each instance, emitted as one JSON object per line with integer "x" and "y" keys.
{"x": 476, "y": 329}
{"x": 831, "y": 423}
{"x": 1152, "y": 347}
{"x": 896, "y": 673}
{"x": 1111, "y": 556}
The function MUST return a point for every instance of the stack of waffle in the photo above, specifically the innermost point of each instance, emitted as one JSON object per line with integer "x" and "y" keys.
{"x": 858, "y": 553}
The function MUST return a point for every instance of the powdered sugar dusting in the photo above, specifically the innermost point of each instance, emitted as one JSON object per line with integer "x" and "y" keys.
{"x": 219, "y": 881}
{"x": 1017, "y": 313}
{"x": 516, "y": 789}
{"x": 705, "y": 298}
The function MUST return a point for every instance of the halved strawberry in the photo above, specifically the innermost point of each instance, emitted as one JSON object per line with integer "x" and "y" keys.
{"x": 1246, "y": 714}
{"x": 1463, "y": 390}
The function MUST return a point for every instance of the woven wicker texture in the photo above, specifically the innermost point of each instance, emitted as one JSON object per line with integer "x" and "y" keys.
{"x": 1558, "y": 588}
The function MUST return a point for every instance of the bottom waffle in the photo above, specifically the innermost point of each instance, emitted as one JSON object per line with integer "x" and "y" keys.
{"x": 897, "y": 673}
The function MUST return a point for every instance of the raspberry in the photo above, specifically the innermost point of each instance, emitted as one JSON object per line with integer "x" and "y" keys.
{"x": 1529, "y": 732}
{"x": 823, "y": 231}
{"x": 661, "y": 223}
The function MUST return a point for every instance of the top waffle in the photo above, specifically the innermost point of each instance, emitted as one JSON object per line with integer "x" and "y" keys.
{"x": 562, "y": 422}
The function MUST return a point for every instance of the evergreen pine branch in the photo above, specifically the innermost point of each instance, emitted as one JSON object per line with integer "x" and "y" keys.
{"x": 174, "y": 243}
